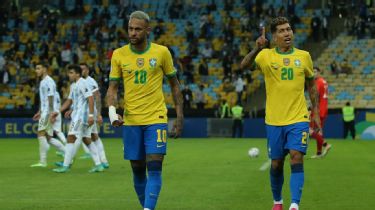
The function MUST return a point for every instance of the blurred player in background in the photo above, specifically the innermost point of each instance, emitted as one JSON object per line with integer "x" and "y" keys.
{"x": 82, "y": 119}
{"x": 47, "y": 90}
{"x": 94, "y": 87}
{"x": 141, "y": 65}
{"x": 286, "y": 70}
{"x": 322, "y": 88}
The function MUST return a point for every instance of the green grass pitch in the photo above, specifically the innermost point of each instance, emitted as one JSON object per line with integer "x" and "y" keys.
{"x": 198, "y": 174}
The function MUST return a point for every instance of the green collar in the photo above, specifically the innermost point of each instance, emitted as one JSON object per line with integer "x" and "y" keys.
{"x": 140, "y": 52}
{"x": 284, "y": 53}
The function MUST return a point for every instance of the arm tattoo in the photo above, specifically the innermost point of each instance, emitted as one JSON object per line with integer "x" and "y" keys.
{"x": 313, "y": 93}
{"x": 98, "y": 101}
{"x": 249, "y": 58}
{"x": 177, "y": 97}
{"x": 50, "y": 104}
{"x": 112, "y": 93}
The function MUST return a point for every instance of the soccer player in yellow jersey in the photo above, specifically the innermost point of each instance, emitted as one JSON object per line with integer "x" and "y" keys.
{"x": 286, "y": 70}
{"x": 141, "y": 66}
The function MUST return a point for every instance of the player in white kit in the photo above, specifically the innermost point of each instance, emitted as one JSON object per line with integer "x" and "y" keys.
{"x": 57, "y": 124}
{"x": 93, "y": 85}
{"x": 47, "y": 89}
{"x": 82, "y": 119}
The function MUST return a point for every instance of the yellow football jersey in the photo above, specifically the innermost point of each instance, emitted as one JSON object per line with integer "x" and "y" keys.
{"x": 142, "y": 74}
{"x": 284, "y": 75}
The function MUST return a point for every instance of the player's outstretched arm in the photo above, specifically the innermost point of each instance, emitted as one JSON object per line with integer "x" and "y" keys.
{"x": 67, "y": 103}
{"x": 260, "y": 43}
{"x": 313, "y": 93}
{"x": 177, "y": 98}
{"x": 115, "y": 119}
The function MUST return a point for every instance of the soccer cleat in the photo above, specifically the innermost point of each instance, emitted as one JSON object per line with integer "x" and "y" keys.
{"x": 62, "y": 169}
{"x": 326, "y": 149}
{"x": 293, "y": 206}
{"x": 105, "y": 165}
{"x": 85, "y": 156}
{"x": 59, "y": 153}
{"x": 97, "y": 168}
{"x": 277, "y": 207}
{"x": 316, "y": 156}
{"x": 39, "y": 165}
{"x": 59, "y": 164}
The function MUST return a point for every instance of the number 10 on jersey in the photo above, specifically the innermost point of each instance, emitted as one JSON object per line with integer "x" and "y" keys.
{"x": 162, "y": 135}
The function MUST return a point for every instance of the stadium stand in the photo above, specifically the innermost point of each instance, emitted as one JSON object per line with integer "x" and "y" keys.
{"x": 221, "y": 31}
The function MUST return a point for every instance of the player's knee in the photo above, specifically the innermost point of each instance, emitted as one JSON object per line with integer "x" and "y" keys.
{"x": 296, "y": 157}
{"x": 94, "y": 136}
{"x": 277, "y": 165}
{"x": 138, "y": 165}
{"x": 154, "y": 165}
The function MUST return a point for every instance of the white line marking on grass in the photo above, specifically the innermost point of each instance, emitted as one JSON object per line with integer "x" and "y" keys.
{"x": 265, "y": 165}
{"x": 63, "y": 199}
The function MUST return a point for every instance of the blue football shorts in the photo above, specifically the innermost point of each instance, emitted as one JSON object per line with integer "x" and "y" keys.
{"x": 140, "y": 140}
{"x": 281, "y": 139}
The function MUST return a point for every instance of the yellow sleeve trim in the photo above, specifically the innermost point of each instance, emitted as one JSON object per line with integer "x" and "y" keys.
{"x": 173, "y": 74}
{"x": 114, "y": 79}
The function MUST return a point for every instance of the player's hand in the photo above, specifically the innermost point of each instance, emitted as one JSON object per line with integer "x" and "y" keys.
{"x": 100, "y": 119}
{"x": 52, "y": 116}
{"x": 90, "y": 121}
{"x": 177, "y": 127}
{"x": 316, "y": 119}
{"x": 68, "y": 114}
{"x": 36, "y": 117}
{"x": 118, "y": 122}
{"x": 261, "y": 42}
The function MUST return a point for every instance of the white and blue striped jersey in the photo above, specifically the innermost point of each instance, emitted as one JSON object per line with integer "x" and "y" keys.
{"x": 47, "y": 88}
{"x": 79, "y": 92}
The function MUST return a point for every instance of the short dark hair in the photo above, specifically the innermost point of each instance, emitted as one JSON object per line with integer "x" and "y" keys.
{"x": 77, "y": 69}
{"x": 41, "y": 63}
{"x": 84, "y": 64}
{"x": 278, "y": 21}
{"x": 347, "y": 103}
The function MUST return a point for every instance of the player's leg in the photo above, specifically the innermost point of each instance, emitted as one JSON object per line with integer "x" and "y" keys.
{"x": 276, "y": 152}
{"x": 297, "y": 140}
{"x": 86, "y": 138}
{"x": 134, "y": 151}
{"x": 57, "y": 129}
{"x": 99, "y": 144}
{"x": 155, "y": 138}
{"x": 327, "y": 147}
{"x": 56, "y": 143}
{"x": 43, "y": 143}
{"x": 75, "y": 130}
{"x": 87, "y": 154}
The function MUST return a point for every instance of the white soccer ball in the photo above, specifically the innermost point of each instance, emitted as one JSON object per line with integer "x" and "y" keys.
{"x": 253, "y": 152}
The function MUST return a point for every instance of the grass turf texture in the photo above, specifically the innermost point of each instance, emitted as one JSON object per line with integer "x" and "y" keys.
{"x": 198, "y": 174}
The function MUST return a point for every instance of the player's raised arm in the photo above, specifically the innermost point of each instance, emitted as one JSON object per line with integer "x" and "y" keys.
{"x": 177, "y": 98}
{"x": 260, "y": 43}
{"x": 112, "y": 102}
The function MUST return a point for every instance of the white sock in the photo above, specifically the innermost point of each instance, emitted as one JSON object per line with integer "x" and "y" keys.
{"x": 61, "y": 136}
{"x": 87, "y": 151}
{"x": 100, "y": 146}
{"x": 294, "y": 205}
{"x": 43, "y": 149}
{"x": 69, "y": 150}
{"x": 77, "y": 144}
{"x": 94, "y": 153}
{"x": 278, "y": 202}
{"x": 146, "y": 209}
{"x": 56, "y": 143}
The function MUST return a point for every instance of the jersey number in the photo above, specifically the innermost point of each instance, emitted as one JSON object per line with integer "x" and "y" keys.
{"x": 162, "y": 135}
{"x": 305, "y": 138}
{"x": 287, "y": 74}
{"x": 140, "y": 77}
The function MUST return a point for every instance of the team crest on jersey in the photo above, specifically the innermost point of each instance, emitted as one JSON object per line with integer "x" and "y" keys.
{"x": 297, "y": 62}
{"x": 152, "y": 62}
{"x": 140, "y": 62}
{"x": 286, "y": 61}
